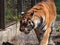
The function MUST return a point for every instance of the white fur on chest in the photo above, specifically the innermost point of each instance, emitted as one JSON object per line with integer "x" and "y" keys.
{"x": 36, "y": 22}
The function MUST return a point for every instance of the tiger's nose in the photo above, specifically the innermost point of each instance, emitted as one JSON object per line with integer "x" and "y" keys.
{"x": 22, "y": 29}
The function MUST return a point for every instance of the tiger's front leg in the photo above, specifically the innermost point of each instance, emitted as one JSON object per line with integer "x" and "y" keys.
{"x": 46, "y": 36}
{"x": 52, "y": 29}
{"x": 39, "y": 35}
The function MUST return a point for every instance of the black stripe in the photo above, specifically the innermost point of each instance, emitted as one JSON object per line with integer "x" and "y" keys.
{"x": 36, "y": 8}
{"x": 33, "y": 24}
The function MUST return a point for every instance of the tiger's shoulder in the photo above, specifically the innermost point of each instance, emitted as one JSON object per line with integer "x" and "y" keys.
{"x": 45, "y": 7}
{"x": 38, "y": 6}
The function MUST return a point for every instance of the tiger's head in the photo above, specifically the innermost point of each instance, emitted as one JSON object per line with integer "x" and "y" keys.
{"x": 27, "y": 22}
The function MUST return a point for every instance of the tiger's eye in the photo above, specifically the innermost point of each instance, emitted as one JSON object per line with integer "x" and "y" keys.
{"x": 29, "y": 21}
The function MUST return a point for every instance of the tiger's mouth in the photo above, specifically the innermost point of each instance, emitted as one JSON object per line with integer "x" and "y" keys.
{"x": 27, "y": 28}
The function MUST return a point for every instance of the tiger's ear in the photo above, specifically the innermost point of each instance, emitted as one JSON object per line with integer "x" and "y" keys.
{"x": 22, "y": 13}
{"x": 32, "y": 13}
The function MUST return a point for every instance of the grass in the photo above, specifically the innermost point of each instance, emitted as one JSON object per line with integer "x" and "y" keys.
{"x": 58, "y": 27}
{"x": 58, "y": 19}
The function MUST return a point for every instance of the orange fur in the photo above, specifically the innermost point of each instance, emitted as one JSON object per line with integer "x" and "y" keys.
{"x": 45, "y": 9}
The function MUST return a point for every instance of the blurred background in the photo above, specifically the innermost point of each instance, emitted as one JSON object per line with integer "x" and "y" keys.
{"x": 11, "y": 9}
{"x": 9, "y": 21}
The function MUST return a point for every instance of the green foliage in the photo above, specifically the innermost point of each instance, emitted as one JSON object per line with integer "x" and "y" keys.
{"x": 58, "y": 28}
{"x": 58, "y": 18}
{"x": 11, "y": 11}
{"x": 16, "y": 18}
{"x": 57, "y": 2}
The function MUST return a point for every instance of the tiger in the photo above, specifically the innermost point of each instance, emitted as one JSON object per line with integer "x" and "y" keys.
{"x": 40, "y": 18}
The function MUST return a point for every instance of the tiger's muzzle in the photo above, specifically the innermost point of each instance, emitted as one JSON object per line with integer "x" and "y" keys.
{"x": 26, "y": 27}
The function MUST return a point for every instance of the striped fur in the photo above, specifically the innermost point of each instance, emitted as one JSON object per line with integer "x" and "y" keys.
{"x": 42, "y": 15}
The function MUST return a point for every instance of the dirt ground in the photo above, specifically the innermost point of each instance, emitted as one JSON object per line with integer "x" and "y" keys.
{"x": 29, "y": 39}
{"x": 26, "y": 39}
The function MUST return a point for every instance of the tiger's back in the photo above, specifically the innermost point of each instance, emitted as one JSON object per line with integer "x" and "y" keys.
{"x": 45, "y": 9}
